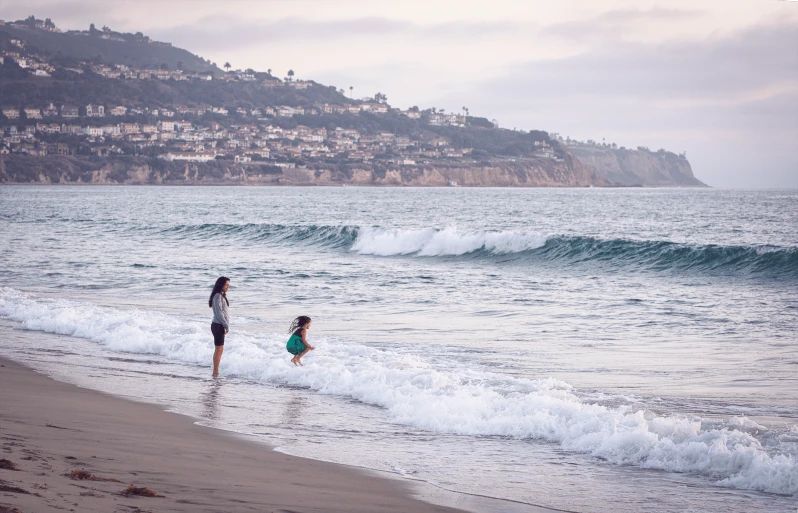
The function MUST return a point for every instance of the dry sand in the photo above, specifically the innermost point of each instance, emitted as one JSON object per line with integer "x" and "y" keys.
{"x": 49, "y": 429}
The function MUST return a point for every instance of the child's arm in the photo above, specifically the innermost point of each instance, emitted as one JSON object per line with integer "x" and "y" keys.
{"x": 305, "y": 340}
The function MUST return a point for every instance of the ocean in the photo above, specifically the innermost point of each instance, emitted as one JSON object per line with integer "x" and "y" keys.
{"x": 584, "y": 350}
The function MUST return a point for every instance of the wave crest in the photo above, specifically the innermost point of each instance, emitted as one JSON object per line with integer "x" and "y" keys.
{"x": 622, "y": 254}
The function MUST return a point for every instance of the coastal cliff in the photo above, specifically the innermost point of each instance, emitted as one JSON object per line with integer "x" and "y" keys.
{"x": 568, "y": 172}
{"x": 639, "y": 167}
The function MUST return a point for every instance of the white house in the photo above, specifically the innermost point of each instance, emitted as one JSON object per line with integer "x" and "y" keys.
{"x": 200, "y": 156}
{"x": 69, "y": 111}
{"x": 119, "y": 111}
{"x": 112, "y": 130}
{"x": 130, "y": 128}
{"x": 95, "y": 111}
{"x": 51, "y": 110}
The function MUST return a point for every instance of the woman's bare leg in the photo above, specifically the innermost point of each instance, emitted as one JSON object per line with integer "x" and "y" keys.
{"x": 217, "y": 359}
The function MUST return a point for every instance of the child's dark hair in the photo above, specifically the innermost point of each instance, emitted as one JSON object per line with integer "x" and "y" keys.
{"x": 299, "y": 322}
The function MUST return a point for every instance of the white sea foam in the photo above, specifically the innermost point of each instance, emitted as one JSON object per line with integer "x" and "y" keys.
{"x": 449, "y": 241}
{"x": 461, "y": 401}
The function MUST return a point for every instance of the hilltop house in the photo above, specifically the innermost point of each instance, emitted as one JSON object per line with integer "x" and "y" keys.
{"x": 69, "y": 111}
{"x": 129, "y": 128}
{"x": 51, "y": 110}
{"x": 11, "y": 113}
{"x": 300, "y": 84}
{"x": 119, "y": 111}
{"x": 200, "y": 156}
{"x": 95, "y": 111}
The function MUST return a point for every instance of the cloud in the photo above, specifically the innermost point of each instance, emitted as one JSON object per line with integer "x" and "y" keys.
{"x": 227, "y": 33}
{"x": 728, "y": 100}
{"x": 612, "y": 25}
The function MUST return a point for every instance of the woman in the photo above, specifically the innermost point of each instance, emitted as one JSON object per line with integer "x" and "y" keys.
{"x": 220, "y": 325}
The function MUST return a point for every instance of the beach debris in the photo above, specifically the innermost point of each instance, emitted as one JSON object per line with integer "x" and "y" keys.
{"x": 8, "y": 465}
{"x": 70, "y": 458}
{"x": 141, "y": 492}
{"x": 7, "y": 487}
{"x": 54, "y": 426}
{"x": 92, "y": 494}
{"x": 81, "y": 474}
{"x": 4, "y": 509}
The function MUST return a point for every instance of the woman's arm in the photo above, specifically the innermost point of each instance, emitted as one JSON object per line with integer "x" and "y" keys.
{"x": 220, "y": 311}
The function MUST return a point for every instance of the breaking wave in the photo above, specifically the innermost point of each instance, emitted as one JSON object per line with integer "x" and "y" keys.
{"x": 626, "y": 254}
{"x": 736, "y": 453}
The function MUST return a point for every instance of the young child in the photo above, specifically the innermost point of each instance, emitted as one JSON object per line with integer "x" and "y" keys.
{"x": 298, "y": 343}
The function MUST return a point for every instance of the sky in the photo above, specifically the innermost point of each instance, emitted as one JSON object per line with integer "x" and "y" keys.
{"x": 715, "y": 79}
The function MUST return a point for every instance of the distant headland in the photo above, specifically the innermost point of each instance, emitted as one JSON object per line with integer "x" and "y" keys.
{"x": 105, "y": 107}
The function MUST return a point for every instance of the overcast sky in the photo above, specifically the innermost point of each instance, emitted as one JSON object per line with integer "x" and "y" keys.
{"x": 717, "y": 79}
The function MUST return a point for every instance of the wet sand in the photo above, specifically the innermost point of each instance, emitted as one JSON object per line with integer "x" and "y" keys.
{"x": 50, "y": 429}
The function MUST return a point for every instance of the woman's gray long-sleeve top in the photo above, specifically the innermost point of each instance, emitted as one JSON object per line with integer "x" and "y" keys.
{"x": 220, "y": 311}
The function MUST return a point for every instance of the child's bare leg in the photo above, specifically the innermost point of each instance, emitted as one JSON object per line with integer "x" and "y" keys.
{"x": 299, "y": 358}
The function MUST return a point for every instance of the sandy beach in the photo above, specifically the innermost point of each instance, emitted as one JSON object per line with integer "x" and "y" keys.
{"x": 51, "y": 429}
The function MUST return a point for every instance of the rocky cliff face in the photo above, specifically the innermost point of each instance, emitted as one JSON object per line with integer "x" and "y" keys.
{"x": 584, "y": 167}
{"x": 638, "y": 167}
{"x": 568, "y": 172}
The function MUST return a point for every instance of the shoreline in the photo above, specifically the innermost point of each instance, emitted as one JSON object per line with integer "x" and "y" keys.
{"x": 50, "y": 429}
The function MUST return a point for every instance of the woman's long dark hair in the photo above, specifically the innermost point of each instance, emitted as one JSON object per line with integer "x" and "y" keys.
{"x": 217, "y": 289}
{"x": 299, "y": 322}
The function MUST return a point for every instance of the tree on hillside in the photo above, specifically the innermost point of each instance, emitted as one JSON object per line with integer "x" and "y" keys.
{"x": 250, "y": 71}
{"x": 290, "y": 74}
{"x": 380, "y": 98}
{"x": 227, "y": 66}
{"x": 269, "y": 71}
{"x": 180, "y": 65}
{"x": 351, "y": 91}
{"x": 48, "y": 23}
{"x": 93, "y": 30}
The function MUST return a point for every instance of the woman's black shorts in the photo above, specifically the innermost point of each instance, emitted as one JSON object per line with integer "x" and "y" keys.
{"x": 218, "y": 334}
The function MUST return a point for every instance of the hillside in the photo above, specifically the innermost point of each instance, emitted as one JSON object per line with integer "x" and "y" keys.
{"x": 138, "y": 52}
{"x": 127, "y": 100}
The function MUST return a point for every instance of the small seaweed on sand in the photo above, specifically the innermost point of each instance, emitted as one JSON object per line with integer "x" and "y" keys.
{"x": 4, "y": 509}
{"x": 81, "y": 474}
{"x": 8, "y": 465}
{"x": 6, "y": 487}
{"x": 141, "y": 492}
